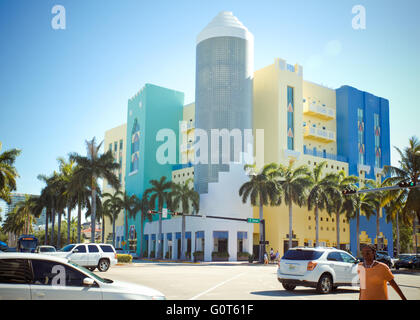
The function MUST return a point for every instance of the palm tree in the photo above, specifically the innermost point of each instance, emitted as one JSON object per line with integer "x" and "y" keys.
{"x": 8, "y": 173}
{"x": 66, "y": 171}
{"x": 393, "y": 209}
{"x": 262, "y": 190}
{"x": 113, "y": 204}
{"x": 337, "y": 199}
{"x": 130, "y": 205}
{"x": 321, "y": 189}
{"x": 408, "y": 170}
{"x": 294, "y": 183}
{"x": 359, "y": 203}
{"x": 143, "y": 206}
{"x": 91, "y": 168}
{"x": 159, "y": 192}
{"x": 181, "y": 197}
{"x": 24, "y": 214}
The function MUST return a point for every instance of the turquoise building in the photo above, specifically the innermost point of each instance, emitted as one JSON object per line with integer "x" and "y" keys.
{"x": 153, "y": 108}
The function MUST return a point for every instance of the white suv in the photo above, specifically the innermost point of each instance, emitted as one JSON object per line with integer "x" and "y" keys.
{"x": 322, "y": 268}
{"x": 90, "y": 255}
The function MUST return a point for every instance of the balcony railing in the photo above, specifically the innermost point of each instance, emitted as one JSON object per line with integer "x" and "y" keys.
{"x": 317, "y": 110}
{"x": 319, "y": 134}
{"x": 324, "y": 155}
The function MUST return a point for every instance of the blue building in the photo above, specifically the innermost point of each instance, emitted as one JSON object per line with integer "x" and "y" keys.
{"x": 153, "y": 108}
{"x": 363, "y": 137}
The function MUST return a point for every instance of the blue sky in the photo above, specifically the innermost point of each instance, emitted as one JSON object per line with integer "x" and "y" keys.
{"x": 61, "y": 87}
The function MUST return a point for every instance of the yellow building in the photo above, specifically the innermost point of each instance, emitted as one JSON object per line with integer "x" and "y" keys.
{"x": 115, "y": 140}
{"x": 299, "y": 122}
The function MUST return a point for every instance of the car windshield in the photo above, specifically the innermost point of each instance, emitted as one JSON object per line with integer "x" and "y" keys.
{"x": 302, "y": 254}
{"x": 67, "y": 248}
{"x": 90, "y": 273}
{"x": 28, "y": 244}
{"x": 407, "y": 257}
{"x": 47, "y": 249}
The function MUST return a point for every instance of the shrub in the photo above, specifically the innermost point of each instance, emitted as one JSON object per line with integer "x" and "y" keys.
{"x": 243, "y": 255}
{"x": 167, "y": 255}
{"x": 220, "y": 254}
{"x": 145, "y": 254}
{"x": 198, "y": 253}
{"x": 152, "y": 254}
{"x": 124, "y": 258}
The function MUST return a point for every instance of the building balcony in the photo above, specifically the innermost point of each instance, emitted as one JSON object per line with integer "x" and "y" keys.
{"x": 186, "y": 147}
{"x": 317, "y": 110}
{"x": 325, "y": 155}
{"x": 319, "y": 134}
{"x": 187, "y": 126}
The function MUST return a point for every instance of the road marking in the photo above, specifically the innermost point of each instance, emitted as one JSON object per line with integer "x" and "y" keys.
{"x": 216, "y": 286}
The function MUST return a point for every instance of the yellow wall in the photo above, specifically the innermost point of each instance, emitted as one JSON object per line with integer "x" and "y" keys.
{"x": 111, "y": 136}
{"x": 187, "y": 136}
{"x": 270, "y": 114}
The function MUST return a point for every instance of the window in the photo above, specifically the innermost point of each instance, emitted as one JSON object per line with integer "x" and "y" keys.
{"x": 290, "y": 118}
{"x": 53, "y": 273}
{"x": 377, "y": 133}
{"x": 67, "y": 248}
{"x": 81, "y": 248}
{"x": 110, "y": 147}
{"x": 302, "y": 254}
{"x": 106, "y": 248}
{"x": 115, "y": 146}
{"x": 220, "y": 241}
{"x": 15, "y": 271}
{"x": 334, "y": 256}
{"x": 93, "y": 248}
{"x": 135, "y": 146}
{"x": 361, "y": 135}
{"x": 121, "y": 144}
{"x": 346, "y": 257}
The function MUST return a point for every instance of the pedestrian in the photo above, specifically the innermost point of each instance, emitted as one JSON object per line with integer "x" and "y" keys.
{"x": 265, "y": 258}
{"x": 374, "y": 276}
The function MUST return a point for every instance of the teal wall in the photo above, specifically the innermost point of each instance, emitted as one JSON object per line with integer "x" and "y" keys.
{"x": 161, "y": 108}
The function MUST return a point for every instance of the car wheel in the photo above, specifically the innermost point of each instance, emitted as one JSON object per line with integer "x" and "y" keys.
{"x": 334, "y": 288}
{"x": 103, "y": 265}
{"x": 288, "y": 287}
{"x": 91, "y": 268}
{"x": 325, "y": 284}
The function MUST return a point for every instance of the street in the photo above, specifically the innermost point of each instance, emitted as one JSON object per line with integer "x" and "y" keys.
{"x": 236, "y": 281}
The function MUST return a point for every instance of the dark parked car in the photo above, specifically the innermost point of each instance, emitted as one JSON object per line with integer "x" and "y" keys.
{"x": 407, "y": 261}
{"x": 382, "y": 256}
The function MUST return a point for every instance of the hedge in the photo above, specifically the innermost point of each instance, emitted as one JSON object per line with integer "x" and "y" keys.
{"x": 125, "y": 258}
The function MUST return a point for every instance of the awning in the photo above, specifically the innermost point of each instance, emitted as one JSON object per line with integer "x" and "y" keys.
{"x": 242, "y": 235}
{"x": 169, "y": 236}
{"x": 187, "y": 235}
{"x": 146, "y": 237}
{"x": 153, "y": 236}
{"x": 199, "y": 235}
{"x": 178, "y": 235}
{"x": 220, "y": 234}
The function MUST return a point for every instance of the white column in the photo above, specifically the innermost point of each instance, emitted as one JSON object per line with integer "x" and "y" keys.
{"x": 192, "y": 245}
{"x": 208, "y": 244}
{"x": 232, "y": 244}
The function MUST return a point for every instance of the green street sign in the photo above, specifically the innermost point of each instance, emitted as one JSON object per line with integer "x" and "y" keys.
{"x": 251, "y": 220}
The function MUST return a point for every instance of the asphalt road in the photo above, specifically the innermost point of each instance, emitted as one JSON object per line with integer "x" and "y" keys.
{"x": 236, "y": 281}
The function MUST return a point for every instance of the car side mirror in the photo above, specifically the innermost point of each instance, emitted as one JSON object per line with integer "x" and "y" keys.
{"x": 75, "y": 250}
{"x": 356, "y": 261}
{"x": 88, "y": 282}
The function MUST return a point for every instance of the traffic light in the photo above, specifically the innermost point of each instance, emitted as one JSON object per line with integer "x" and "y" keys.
{"x": 407, "y": 184}
{"x": 347, "y": 191}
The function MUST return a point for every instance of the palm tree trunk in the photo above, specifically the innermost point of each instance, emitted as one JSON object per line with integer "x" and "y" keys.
{"x": 79, "y": 221}
{"x": 337, "y": 222}
{"x": 52, "y": 226}
{"x": 290, "y": 225}
{"x": 261, "y": 255}
{"x": 358, "y": 232}
{"x": 93, "y": 216}
{"x": 103, "y": 229}
{"x": 378, "y": 210}
{"x": 183, "y": 238}
{"x": 414, "y": 235}
{"x": 46, "y": 226}
{"x": 316, "y": 227}
{"x": 398, "y": 234}
{"x": 160, "y": 251}
{"x": 126, "y": 230}
{"x": 68, "y": 224}
{"x": 113, "y": 231}
{"x": 141, "y": 233}
{"x": 59, "y": 231}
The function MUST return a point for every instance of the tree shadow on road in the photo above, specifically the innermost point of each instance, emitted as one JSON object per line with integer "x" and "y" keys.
{"x": 300, "y": 292}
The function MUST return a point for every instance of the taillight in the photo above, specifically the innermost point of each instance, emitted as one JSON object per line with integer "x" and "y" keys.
{"x": 311, "y": 265}
{"x": 115, "y": 256}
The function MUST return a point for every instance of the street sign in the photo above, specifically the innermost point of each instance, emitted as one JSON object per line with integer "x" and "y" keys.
{"x": 264, "y": 242}
{"x": 251, "y": 220}
{"x": 164, "y": 213}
